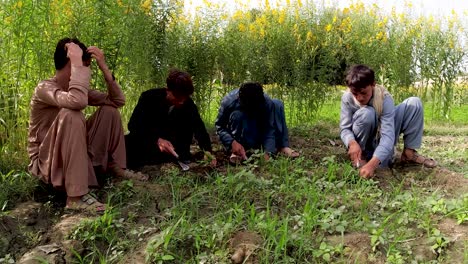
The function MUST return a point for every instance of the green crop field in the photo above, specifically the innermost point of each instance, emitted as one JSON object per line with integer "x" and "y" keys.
{"x": 313, "y": 209}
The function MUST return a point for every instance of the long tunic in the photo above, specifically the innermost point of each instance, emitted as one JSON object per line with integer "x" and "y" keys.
{"x": 59, "y": 135}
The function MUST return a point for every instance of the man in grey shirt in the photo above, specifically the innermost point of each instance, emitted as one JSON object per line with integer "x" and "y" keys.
{"x": 370, "y": 124}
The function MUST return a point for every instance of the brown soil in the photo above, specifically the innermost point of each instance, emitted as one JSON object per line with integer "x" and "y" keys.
{"x": 458, "y": 237}
{"x": 243, "y": 245}
{"x": 357, "y": 247}
{"x": 23, "y": 228}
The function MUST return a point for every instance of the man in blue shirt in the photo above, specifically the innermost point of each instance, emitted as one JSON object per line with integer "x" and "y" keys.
{"x": 371, "y": 124}
{"x": 249, "y": 119}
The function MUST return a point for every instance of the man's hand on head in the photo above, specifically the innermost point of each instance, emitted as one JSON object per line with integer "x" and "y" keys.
{"x": 98, "y": 55}
{"x": 74, "y": 53}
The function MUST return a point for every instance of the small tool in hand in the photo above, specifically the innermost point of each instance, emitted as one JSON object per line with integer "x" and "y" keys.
{"x": 182, "y": 165}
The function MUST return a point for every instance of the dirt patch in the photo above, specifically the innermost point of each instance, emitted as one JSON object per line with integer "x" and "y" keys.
{"x": 458, "y": 237}
{"x": 243, "y": 245}
{"x": 23, "y": 228}
{"x": 66, "y": 225}
{"x": 137, "y": 256}
{"x": 452, "y": 182}
{"x": 357, "y": 247}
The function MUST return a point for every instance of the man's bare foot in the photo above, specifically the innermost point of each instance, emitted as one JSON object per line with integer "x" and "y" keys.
{"x": 288, "y": 152}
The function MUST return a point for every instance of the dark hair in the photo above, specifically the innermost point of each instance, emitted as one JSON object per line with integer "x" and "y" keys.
{"x": 60, "y": 54}
{"x": 251, "y": 97}
{"x": 179, "y": 83}
{"x": 359, "y": 77}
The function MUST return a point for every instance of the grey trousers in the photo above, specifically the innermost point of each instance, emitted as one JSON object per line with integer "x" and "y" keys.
{"x": 409, "y": 121}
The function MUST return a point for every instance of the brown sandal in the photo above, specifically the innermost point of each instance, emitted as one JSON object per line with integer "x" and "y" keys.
{"x": 87, "y": 203}
{"x": 419, "y": 159}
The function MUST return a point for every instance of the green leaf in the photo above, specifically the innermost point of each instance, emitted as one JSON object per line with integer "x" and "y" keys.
{"x": 323, "y": 245}
{"x": 326, "y": 257}
{"x": 167, "y": 257}
{"x": 340, "y": 229}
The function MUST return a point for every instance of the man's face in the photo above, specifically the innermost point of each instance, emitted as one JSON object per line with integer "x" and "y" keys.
{"x": 363, "y": 96}
{"x": 176, "y": 101}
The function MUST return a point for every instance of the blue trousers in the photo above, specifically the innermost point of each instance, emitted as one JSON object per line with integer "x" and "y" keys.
{"x": 250, "y": 132}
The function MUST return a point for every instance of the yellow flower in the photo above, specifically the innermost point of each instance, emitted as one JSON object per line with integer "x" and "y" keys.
{"x": 8, "y": 20}
{"x": 380, "y": 36}
{"x": 19, "y": 4}
{"x": 328, "y": 28}
{"x": 146, "y": 6}
{"x": 309, "y": 35}
{"x": 346, "y": 25}
{"x": 119, "y": 3}
{"x": 282, "y": 17}
{"x": 345, "y": 11}
{"x": 207, "y": 3}
{"x": 242, "y": 27}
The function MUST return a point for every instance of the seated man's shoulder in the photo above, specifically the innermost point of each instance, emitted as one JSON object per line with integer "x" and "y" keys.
{"x": 230, "y": 97}
{"x": 347, "y": 94}
{"x": 45, "y": 86}
{"x": 154, "y": 92}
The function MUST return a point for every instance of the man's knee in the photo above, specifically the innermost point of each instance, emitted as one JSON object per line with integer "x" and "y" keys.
{"x": 109, "y": 111}
{"x": 236, "y": 117}
{"x": 365, "y": 116}
{"x": 414, "y": 102}
{"x": 73, "y": 117}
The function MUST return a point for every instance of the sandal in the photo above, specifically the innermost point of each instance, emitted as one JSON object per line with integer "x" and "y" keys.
{"x": 87, "y": 203}
{"x": 290, "y": 153}
{"x": 418, "y": 159}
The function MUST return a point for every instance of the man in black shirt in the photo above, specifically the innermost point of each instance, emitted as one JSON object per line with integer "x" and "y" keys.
{"x": 164, "y": 123}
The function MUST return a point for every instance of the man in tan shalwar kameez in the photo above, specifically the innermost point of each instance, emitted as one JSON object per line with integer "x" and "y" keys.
{"x": 63, "y": 146}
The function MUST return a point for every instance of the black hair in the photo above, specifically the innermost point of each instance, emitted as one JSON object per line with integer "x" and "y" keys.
{"x": 359, "y": 77}
{"x": 179, "y": 83}
{"x": 60, "y": 54}
{"x": 252, "y": 99}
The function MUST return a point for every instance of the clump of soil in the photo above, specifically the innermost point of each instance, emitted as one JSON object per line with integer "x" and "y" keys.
{"x": 244, "y": 244}
{"x": 23, "y": 228}
{"x": 458, "y": 237}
